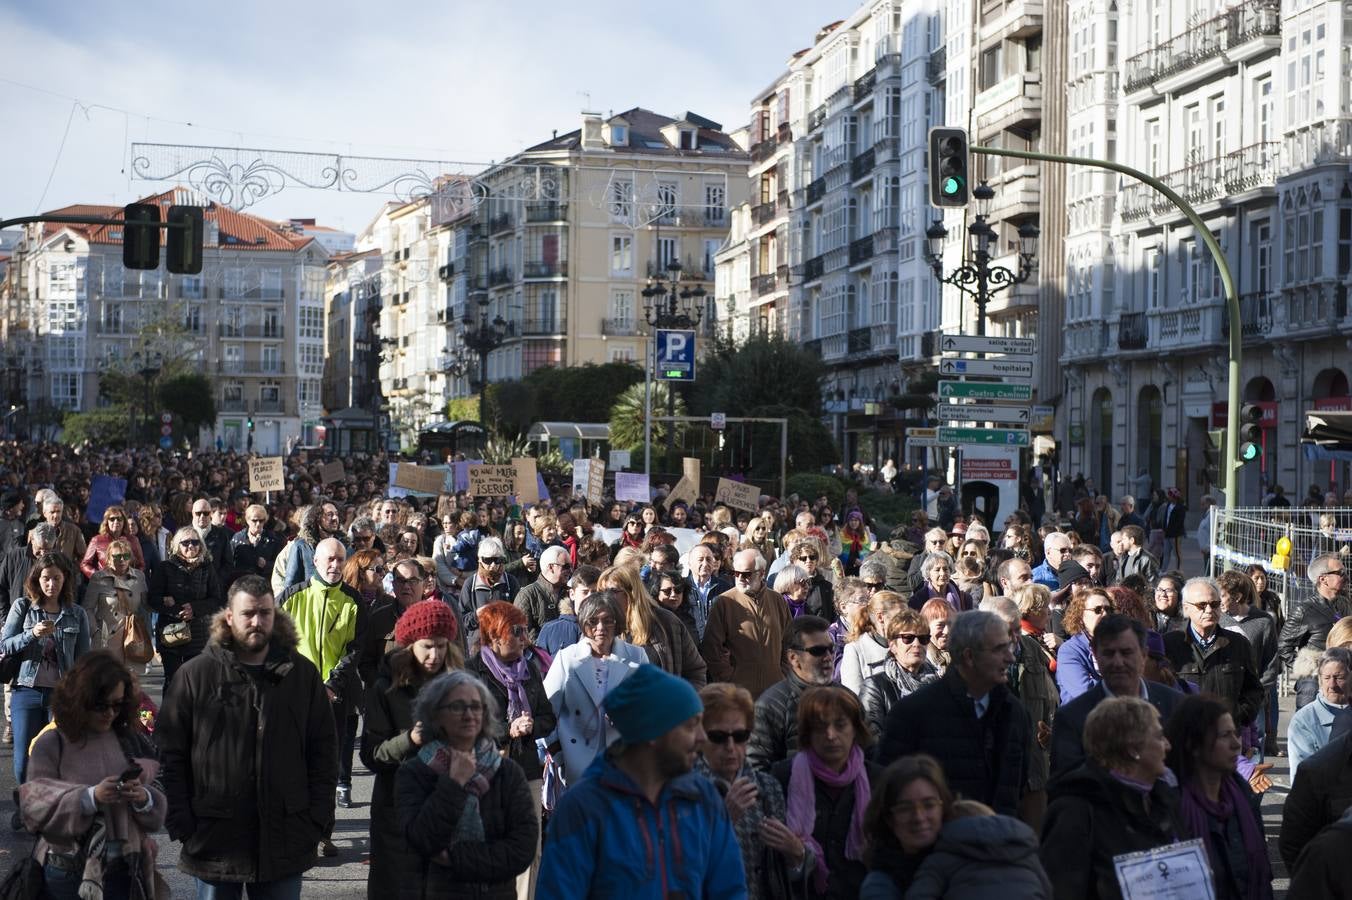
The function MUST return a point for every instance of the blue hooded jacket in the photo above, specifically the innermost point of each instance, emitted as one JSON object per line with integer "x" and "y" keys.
{"x": 606, "y": 839}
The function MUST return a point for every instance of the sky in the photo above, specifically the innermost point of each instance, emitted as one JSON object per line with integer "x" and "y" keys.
{"x": 453, "y": 80}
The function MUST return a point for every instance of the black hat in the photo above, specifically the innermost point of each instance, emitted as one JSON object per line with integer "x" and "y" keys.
{"x": 1071, "y": 572}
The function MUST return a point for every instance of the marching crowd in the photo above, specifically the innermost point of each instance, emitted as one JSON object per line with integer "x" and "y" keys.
{"x": 664, "y": 700}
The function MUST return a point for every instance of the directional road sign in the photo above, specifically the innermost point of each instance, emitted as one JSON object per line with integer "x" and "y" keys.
{"x": 1006, "y": 368}
{"x": 978, "y": 390}
{"x": 978, "y": 343}
{"x": 1014, "y": 415}
{"x": 1010, "y": 437}
{"x": 676, "y": 355}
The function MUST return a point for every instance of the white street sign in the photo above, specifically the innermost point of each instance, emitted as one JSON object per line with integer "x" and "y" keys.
{"x": 976, "y": 343}
{"x": 1014, "y": 415}
{"x": 718, "y": 421}
{"x": 1007, "y": 368}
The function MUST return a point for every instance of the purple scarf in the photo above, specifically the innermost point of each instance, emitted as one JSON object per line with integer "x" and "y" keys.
{"x": 795, "y": 609}
{"x": 802, "y": 811}
{"x": 513, "y": 677}
{"x": 1197, "y": 811}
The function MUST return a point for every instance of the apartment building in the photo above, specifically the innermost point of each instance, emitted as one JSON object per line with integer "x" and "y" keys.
{"x": 1245, "y": 110}
{"x": 351, "y": 389}
{"x": 252, "y": 320}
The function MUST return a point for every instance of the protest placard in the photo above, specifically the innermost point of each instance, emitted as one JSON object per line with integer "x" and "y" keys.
{"x": 581, "y": 471}
{"x": 687, "y": 489}
{"x": 419, "y": 479}
{"x": 619, "y": 459}
{"x": 525, "y": 484}
{"x": 632, "y": 486}
{"x": 738, "y": 495}
{"x": 492, "y": 481}
{"x": 596, "y": 480}
{"x": 265, "y": 474}
{"x": 332, "y": 471}
{"x": 104, "y": 491}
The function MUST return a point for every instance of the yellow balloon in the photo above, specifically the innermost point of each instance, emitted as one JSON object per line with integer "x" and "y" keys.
{"x": 1284, "y": 546}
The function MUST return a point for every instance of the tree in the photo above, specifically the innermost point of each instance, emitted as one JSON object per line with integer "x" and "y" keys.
{"x": 626, "y": 417}
{"x": 764, "y": 371}
{"x": 191, "y": 399}
{"x": 510, "y": 408}
{"x": 104, "y": 427}
{"x": 581, "y": 393}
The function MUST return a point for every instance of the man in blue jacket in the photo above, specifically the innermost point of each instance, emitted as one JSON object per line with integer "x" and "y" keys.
{"x": 614, "y": 828}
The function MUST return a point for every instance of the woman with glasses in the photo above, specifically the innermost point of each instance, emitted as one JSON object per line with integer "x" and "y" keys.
{"x": 652, "y": 628}
{"x": 808, "y": 554}
{"x": 115, "y": 593}
{"x": 1167, "y": 607}
{"x": 96, "y": 761}
{"x": 673, "y": 595}
{"x": 792, "y": 582}
{"x": 775, "y": 859}
{"x": 907, "y": 809}
{"x": 907, "y": 668}
{"x": 513, "y": 671}
{"x": 113, "y": 527}
{"x": 1075, "y": 668}
{"x": 464, "y": 807}
{"x": 185, "y": 589}
{"x": 49, "y": 631}
{"x": 866, "y": 652}
{"x": 582, "y": 674}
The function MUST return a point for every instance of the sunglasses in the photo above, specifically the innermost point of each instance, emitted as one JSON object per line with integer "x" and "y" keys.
{"x": 1098, "y": 610}
{"x": 121, "y": 556}
{"x": 191, "y": 542}
{"x": 746, "y": 575}
{"x": 912, "y": 638}
{"x": 491, "y": 560}
{"x": 810, "y": 557}
{"x": 1209, "y": 604}
{"x": 107, "y": 706}
{"x": 819, "y": 651}
{"x": 740, "y": 736}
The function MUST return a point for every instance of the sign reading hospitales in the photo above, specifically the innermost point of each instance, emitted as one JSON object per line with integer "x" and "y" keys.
{"x": 978, "y": 390}
{"x": 1014, "y": 415}
{"x": 978, "y": 343}
{"x": 1007, "y": 368}
{"x": 675, "y": 355}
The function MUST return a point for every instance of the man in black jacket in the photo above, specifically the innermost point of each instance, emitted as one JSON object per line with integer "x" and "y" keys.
{"x": 1320, "y": 793}
{"x": 539, "y": 600}
{"x": 968, "y": 719}
{"x": 1218, "y": 661}
{"x": 1306, "y": 631}
{"x": 1119, "y": 645}
{"x": 811, "y": 658}
{"x": 246, "y": 812}
{"x": 254, "y": 548}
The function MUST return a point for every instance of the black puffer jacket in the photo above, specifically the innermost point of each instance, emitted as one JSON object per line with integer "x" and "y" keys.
{"x": 881, "y": 692}
{"x": 774, "y": 736}
{"x": 200, "y": 586}
{"x": 244, "y": 810}
{"x": 429, "y": 807}
{"x": 522, "y": 749}
{"x": 1308, "y": 626}
{"x": 1093, "y": 817}
{"x": 985, "y": 759}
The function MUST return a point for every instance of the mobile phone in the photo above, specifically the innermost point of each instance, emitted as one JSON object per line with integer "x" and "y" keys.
{"x": 132, "y": 774}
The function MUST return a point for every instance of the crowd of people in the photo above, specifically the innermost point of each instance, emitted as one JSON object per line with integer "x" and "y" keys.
{"x": 650, "y": 700}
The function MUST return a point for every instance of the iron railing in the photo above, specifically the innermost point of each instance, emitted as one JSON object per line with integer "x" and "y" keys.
{"x": 1203, "y": 41}
{"x": 1131, "y": 331}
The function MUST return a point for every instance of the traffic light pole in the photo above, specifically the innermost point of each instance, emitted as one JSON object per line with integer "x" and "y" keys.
{"x": 1231, "y": 458}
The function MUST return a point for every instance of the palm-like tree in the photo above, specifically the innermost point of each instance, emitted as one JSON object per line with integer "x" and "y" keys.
{"x": 626, "y": 417}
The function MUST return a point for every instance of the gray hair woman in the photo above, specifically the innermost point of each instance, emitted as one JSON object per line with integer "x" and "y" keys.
{"x": 466, "y": 809}
{"x": 581, "y": 676}
{"x": 937, "y": 570}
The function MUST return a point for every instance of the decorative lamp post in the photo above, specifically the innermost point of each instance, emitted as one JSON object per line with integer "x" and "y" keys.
{"x": 670, "y": 303}
{"x": 482, "y": 336}
{"x": 148, "y": 367}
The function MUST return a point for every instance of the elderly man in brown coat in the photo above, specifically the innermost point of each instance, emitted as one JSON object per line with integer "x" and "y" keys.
{"x": 744, "y": 638}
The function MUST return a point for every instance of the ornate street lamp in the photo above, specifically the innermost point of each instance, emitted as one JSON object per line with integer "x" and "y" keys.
{"x": 482, "y": 336}
{"x": 670, "y": 303}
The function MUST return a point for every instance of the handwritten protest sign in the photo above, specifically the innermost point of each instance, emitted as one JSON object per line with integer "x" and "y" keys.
{"x": 738, "y": 495}
{"x": 596, "y": 480}
{"x": 525, "y": 483}
{"x": 265, "y": 474}
{"x": 332, "y": 471}
{"x": 492, "y": 481}
{"x": 632, "y": 486}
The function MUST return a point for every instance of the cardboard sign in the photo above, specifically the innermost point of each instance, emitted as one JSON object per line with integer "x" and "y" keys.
{"x": 419, "y": 479}
{"x": 581, "y": 471}
{"x": 525, "y": 481}
{"x": 738, "y": 495}
{"x": 266, "y": 474}
{"x": 492, "y": 481}
{"x": 332, "y": 471}
{"x": 632, "y": 486}
{"x": 687, "y": 489}
{"x": 104, "y": 491}
{"x": 596, "y": 482}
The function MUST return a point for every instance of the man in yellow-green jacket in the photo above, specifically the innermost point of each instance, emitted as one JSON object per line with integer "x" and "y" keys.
{"x": 330, "y": 624}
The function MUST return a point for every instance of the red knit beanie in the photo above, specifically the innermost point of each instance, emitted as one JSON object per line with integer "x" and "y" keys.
{"x": 425, "y": 619}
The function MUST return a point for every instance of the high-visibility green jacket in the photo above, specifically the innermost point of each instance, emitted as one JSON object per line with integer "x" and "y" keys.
{"x": 330, "y": 622}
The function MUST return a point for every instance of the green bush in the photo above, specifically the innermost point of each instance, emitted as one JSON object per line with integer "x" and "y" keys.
{"x": 887, "y": 510}
{"x": 811, "y": 485}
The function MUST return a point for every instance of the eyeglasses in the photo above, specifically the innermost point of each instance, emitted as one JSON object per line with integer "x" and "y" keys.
{"x": 818, "y": 651}
{"x": 668, "y": 591}
{"x": 1164, "y": 590}
{"x": 399, "y": 579}
{"x": 461, "y": 707}
{"x": 1333, "y": 573}
{"x": 380, "y": 570}
{"x": 599, "y": 622}
{"x": 912, "y": 638}
{"x": 491, "y": 560}
{"x": 744, "y": 575}
{"x": 1098, "y": 610}
{"x": 190, "y": 542}
{"x": 808, "y": 557}
{"x": 1207, "y": 604}
{"x": 561, "y": 566}
{"x": 875, "y": 585}
{"x": 740, "y": 736}
{"x": 117, "y": 519}
{"x": 117, "y": 557}
{"x": 201, "y": 512}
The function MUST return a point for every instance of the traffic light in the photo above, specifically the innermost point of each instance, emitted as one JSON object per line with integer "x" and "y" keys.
{"x": 1250, "y": 432}
{"x": 948, "y": 167}
{"x": 183, "y": 247}
{"x": 1211, "y": 452}
{"x": 248, "y": 423}
{"x": 141, "y": 236}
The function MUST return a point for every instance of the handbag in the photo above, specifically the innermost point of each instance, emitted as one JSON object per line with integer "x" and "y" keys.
{"x": 135, "y": 639}
{"x": 176, "y": 634}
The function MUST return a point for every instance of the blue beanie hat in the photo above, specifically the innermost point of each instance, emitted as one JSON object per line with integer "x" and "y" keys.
{"x": 649, "y": 703}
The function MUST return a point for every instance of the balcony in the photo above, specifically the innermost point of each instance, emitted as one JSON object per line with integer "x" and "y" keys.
{"x": 937, "y": 66}
{"x": 272, "y": 331}
{"x": 863, "y": 86}
{"x": 233, "y": 404}
{"x": 498, "y": 277}
{"x": 251, "y": 367}
{"x": 763, "y": 284}
{"x": 477, "y": 234}
{"x": 476, "y": 286}
{"x": 1131, "y": 331}
{"x": 861, "y": 250}
{"x": 1186, "y": 328}
{"x": 859, "y": 340}
{"x": 1212, "y": 39}
{"x": 1086, "y": 340}
{"x": 1248, "y": 169}
{"x": 446, "y": 272}
{"x": 814, "y": 268}
{"x": 1255, "y": 316}
{"x": 1012, "y": 103}
{"x": 1327, "y": 142}
{"x": 813, "y": 347}
{"x": 862, "y": 165}
{"x": 270, "y": 406}
{"x": 784, "y": 134}
{"x": 115, "y": 328}
{"x": 543, "y": 269}
{"x": 546, "y": 212}
{"x": 762, "y": 213}
{"x": 541, "y": 326}
{"x": 764, "y": 149}
{"x": 619, "y": 328}
{"x": 816, "y": 190}
{"x": 817, "y": 118}
{"x": 500, "y": 223}
{"x": 254, "y": 294}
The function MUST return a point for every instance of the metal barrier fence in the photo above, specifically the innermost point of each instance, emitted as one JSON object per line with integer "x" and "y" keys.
{"x": 1249, "y": 536}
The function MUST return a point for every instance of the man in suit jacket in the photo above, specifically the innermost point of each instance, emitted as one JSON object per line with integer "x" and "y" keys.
{"x": 1218, "y": 661}
{"x": 1119, "y": 644}
{"x": 1320, "y": 794}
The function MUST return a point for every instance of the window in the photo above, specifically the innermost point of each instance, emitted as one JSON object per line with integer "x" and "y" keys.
{"x": 666, "y": 252}
{"x": 232, "y": 396}
{"x": 311, "y": 359}
{"x": 311, "y": 322}
{"x": 272, "y": 325}
{"x": 272, "y": 284}
{"x": 271, "y": 359}
{"x": 1152, "y": 130}
{"x": 1262, "y": 90}
{"x": 270, "y": 396}
{"x": 621, "y": 354}
{"x": 688, "y": 139}
{"x": 233, "y": 355}
{"x": 621, "y": 254}
{"x": 619, "y": 135}
{"x": 190, "y": 287}
{"x": 112, "y": 318}
{"x": 668, "y": 201}
{"x": 622, "y": 200}
{"x": 192, "y": 320}
{"x": 1192, "y": 118}
{"x": 991, "y": 70}
{"x": 707, "y": 260}
{"x": 622, "y": 310}
{"x": 1262, "y": 257}
{"x": 1152, "y": 278}
{"x": 714, "y": 203}
{"x": 308, "y": 392}
{"x": 66, "y": 390}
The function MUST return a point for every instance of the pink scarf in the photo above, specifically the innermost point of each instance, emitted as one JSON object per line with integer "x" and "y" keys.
{"x": 802, "y": 811}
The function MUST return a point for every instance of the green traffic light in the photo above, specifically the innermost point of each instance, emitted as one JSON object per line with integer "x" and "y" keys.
{"x": 1248, "y": 452}
{"x": 952, "y": 186}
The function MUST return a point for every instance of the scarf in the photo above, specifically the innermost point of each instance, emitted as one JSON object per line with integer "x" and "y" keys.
{"x": 796, "y": 609}
{"x": 802, "y": 817}
{"x": 748, "y": 828}
{"x": 486, "y": 761}
{"x": 1036, "y": 634}
{"x": 910, "y": 682}
{"x": 513, "y": 677}
{"x": 1197, "y": 811}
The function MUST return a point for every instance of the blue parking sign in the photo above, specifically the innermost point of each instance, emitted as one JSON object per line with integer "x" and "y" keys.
{"x": 675, "y": 354}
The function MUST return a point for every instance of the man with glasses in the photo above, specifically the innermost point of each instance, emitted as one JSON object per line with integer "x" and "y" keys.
{"x": 811, "y": 661}
{"x": 705, "y": 583}
{"x": 1305, "y": 634}
{"x": 408, "y": 578}
{"x": 745, "y": 637}
{"x": 539, "y": 600}
{"x": 216, "y": 538}
{"x": 1055, "y": 550}
{"x": 255, "y": 549}
{"x": 969, "y": 720}
{"x": 361, "y": 535}
{"x": 1218, "y": 661}
{"x": 489, "y": 582}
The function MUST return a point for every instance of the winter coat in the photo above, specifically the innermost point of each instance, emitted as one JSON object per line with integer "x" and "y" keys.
{"x": 673, "y": 649}
{"x": 1307, "y": 628}
{"x": 682, "y": 846}
{"x": 248, "y": 558}
{"x": 200, "y": 586}
{"x": 243, "y": 810}
{"x": 1260, "y": 628}
{"x": 520, "y": 750}
{"x": 104, "y": 606}
{"x": 1067, "y": 750}
{"x": 1038, "y": 693}
{"x": 429, "y": 806}
{"x": 882, "y": 691}
{"x": 1309, "y": 730}
{"x": 1324, "y": 868}
{"x": 1321, "y": 792}
{"x": 744, "y": 638}
{"x": 583, "y": 730}
{"x": 1075, "y": 668}
{"x": 1093, "y": 817}
{"x": 71, "y": 637}
{"x": 863, "y": 658}
{"x": 539, "y": 600}
{"x": 774, "y": 733}
{"x": 1225, "y": 669}
{"x": 558, "y": 634}
{"x": 835, "y": 808}
{"x": 983, "y": 858}
{"x": 1141, "y": 563}
{"x": 985, "y": 759}
{"x": 96, "y": 554}
{"x": 331, "y": 623}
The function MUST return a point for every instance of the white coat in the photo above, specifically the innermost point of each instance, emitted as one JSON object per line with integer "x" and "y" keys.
{"x": 571, "y": 685}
